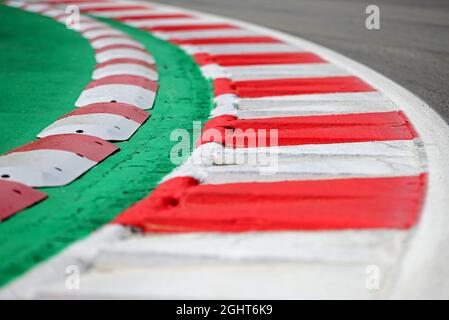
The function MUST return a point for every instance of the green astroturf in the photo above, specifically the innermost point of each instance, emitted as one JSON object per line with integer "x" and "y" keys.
{"x": 44, "y": 67}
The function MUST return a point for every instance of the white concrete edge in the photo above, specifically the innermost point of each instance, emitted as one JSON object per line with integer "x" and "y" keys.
{"x": 79, "y": 254}
{"x": 424, "y": 271}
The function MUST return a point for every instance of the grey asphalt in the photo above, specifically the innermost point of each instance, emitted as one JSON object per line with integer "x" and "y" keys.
{"x": 411, "y": 47}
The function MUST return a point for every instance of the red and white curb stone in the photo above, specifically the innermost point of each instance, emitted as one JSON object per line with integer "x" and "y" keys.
{"x": 110, "y": 108}
{"x": 16, "y": 196}
{"x": 346, "y": 193}
{"x": 55, "y": 160}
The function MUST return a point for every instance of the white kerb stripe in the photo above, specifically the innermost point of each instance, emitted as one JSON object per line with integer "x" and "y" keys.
{"x": 216, "y": 33}
{"x": 120, "y": 53}
{"x": 101, "y": 32}
{"x": 102, "y": 125}
{"x": 241, "y": 48}
{"x": 255, "y": 108}
{"x": 101, "y": 43}
{"x": 264, "y": 72}
{"x": 44, "y": 168}
{"x": 287, "y": 164}
{"x": 36, "y": 7}
{"x": 88, "y": 25}
{"x": 170, "y": 22}
{"x": 308, "y": 99}
{"x": 52, "y": 12}
{"x": 130, "y": 13}
{"x": 134, "y": 95}
{"x": 125, "y": 68}
{"x": 97, "y": 5}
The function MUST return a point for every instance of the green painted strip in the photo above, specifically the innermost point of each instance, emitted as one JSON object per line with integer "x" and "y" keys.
{"x": 74, "y": 211}
{"x": 41, "y": 73}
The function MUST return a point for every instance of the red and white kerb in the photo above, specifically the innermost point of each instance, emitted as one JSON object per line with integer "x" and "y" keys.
{"x": 15, "y": 197}
{"x": 54, "y": 160}
{"x": 345, "y": 156}
{"x": 108, "y": 121}
{"x": 124, "y": 83}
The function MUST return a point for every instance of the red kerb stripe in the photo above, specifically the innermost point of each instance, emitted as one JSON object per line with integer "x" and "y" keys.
{"x": 177, "y": 28}
{"x": 120, "y": 36}
{"x": 284, "y": 87}
{"x": 229, "y": 60}
{"x": 155, "y": 16}
{"x": 121, "y": 46}
{"x": 323, "y": 129}
{"x": 15, "y": 197}
{"x": 96, "y": 28}
{"x": 122, "y": 109}
{"x": 181, "y": 205}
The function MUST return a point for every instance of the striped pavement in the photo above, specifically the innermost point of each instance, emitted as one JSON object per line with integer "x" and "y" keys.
{"x": 305, "y": 175}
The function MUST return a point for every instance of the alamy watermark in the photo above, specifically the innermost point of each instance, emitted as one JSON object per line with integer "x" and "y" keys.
{"x": 72, "y": 281}
{"x": 372, "y": 21}
{"x": 72, "y": 20}
{"x": 373, "y": 277}
{"x": 256, "y": 147}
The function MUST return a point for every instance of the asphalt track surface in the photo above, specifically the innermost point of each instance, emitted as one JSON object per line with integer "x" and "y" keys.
{"x": 411, "y": 47}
